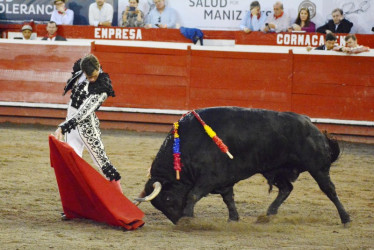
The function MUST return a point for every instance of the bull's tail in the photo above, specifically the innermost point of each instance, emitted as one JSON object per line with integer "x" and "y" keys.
{"x": 334, "y": 146}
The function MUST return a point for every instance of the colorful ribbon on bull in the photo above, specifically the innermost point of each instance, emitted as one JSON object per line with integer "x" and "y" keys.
{"x": 213, "y": 135}
{"x": 176, "y": 151}
{"x": 208, "y": 130}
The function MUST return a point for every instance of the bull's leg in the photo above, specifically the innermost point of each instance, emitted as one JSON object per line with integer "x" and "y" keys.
{"x": 228, "y": 197}
{"x": 285, "y": 187}
{"x": 192, "y": 198}
{"x": 326, "y": 185}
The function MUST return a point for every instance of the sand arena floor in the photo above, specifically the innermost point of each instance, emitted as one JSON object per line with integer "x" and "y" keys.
{"x": 30, "y": 204}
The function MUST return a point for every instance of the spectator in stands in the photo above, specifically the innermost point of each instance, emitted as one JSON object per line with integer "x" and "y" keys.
{"x": 132, "y": 16}
{"x": 352, "y": 46}
{"x": 52, "y": 33}
{"x": 62, "y": 15}
{"x": 338, "y": 24}
{"x": 303, "y": 22}
{"x": 26, "y": 32}
{"x": 279, "y": 21}
{"x": 253, "y": 20}
{"x": 100, "y": 13}
{"x": 162, "y": 16}
{"x": 330, "y": 43}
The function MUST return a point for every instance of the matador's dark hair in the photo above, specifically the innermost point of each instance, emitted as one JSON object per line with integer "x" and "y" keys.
{"x": 89, "y": 64}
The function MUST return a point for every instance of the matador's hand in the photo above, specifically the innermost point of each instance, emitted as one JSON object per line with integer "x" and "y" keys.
{"x": 58, "y": 134}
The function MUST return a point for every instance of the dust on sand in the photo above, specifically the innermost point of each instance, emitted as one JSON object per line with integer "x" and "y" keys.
{"x": 30, "y": 205}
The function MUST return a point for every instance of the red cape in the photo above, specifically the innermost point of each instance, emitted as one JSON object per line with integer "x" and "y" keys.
{"x": 85, "y": 193}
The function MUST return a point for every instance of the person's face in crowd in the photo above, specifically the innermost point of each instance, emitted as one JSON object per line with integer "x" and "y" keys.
{"x": 337, "y": 17}
{"x": 60, "y": 6}
{"x": 93, "y": 77}
{"x": 100, "y": 3}
{"x": 27, "y": 34}
{"x": 303, "y": 15}
{"x": 277, "y": 10}
{"x": 133, "y": 3}
{"x": 160, "y": 4}
{"x": 351, "y": 43}
{"x": 255, "y": 11}
{"x": 51, "y": 28}
{"x": 330, "y": 44}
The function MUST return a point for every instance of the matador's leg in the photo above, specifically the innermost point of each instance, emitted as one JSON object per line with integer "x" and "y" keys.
{"x": 91, "y": 136}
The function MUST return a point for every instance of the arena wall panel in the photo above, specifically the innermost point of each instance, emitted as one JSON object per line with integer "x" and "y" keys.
{"x": 163, "y": 83}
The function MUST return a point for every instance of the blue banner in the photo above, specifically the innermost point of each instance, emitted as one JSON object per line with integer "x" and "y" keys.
{"x": 40, "y": 11}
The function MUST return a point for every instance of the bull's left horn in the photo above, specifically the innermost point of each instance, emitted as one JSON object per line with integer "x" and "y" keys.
{"x": 157, "y": 189}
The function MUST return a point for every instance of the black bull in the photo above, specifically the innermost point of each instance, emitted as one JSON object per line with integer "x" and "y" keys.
{"x": 278, "y": 145}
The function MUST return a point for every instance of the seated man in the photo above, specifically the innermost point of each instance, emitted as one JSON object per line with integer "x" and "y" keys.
{"x": 26, "y": 33}
{"x": 279, "y": 21}
{"x": 352, "y": 46}
{"x": 253, "y": 20}
{"x": 52, "y": 33}
{"x": 100, "y": 13}
{"x": 338, "y": 24}
{"x": 162, "y": 16}
{"x": 62, "y": 15}
{"x": 330, "y": 43}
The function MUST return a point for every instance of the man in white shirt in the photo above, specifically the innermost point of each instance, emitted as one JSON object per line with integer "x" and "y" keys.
{"x": 162, "y": 16}
{"x": 62, "y": 15}
{"x": 100, "y": 13}
{"x": 279, "y": 21}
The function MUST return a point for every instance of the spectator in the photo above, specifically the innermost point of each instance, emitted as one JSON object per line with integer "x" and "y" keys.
{"x": 100, "y": 13}
{"x": 26, "y": 33}
{"x": 52, "y": 33}
{"x": 330, "y": 43}
{"x": 132, "y": 16}
{"x": 62, "y": 15}
{"x": 352, "y": 46}
{"x": 338, "y": 24}
{"x": 162, "y": 16}
{"x": 303, "y": 22}
{"x": 279, "y": 21}
{"x": 253, "y": 20}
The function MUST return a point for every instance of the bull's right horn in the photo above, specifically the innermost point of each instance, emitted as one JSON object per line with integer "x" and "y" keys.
{"x": 157, "y": 189}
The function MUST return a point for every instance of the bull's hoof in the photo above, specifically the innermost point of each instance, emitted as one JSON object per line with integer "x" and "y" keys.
{"x": 263, "y": 219}
{"x": 347, "y": 224}
{"x": 234, "y": 219}
{"x": 184, "y": 221}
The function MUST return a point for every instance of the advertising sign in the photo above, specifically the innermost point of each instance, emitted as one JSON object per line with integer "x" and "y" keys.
{"x": 40, "y": 11}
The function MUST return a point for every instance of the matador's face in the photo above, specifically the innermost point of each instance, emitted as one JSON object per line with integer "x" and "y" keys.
{"x": 93, "y": 77}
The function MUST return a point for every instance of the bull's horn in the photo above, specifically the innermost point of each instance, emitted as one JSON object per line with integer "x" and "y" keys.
{"x": 157, "y": 189}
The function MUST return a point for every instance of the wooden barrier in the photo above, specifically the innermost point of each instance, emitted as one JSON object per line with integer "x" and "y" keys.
{"x": 174, "y": 35}
{"x": 179, "y": 77}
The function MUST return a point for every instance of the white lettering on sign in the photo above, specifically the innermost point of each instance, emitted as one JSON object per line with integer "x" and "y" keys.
{"x": 24, "y": 9}
{"x": 118, "y": 34}
{"x": 223, "y": 14}
{"x": 208, "y": 3}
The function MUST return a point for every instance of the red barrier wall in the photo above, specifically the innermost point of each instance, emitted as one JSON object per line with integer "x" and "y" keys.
{"x": 173, "y": 35}
{"x": 320, "y": 86}
{"x": 339, "y": 87}
{"x": 36, "y": 73}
